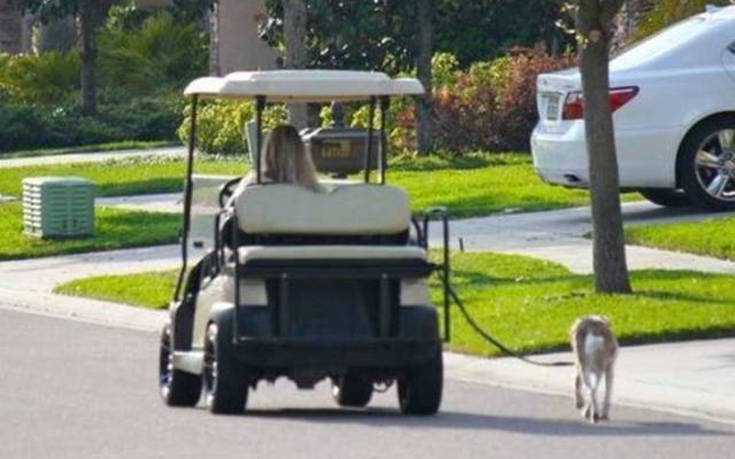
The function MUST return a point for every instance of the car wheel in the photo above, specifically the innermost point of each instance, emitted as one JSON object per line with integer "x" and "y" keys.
{"x": 420, "y": 390}
{"x": 225, "y": 386}
{"x": 707, "y": 164}
{"x": 352, "y": 391}
{"x": 177, "y": 388}
{"x": 666, "y": 198}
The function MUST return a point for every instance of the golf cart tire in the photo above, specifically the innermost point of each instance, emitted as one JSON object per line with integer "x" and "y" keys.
{"x": 177, "y": 388}
{"x": 420, "y": 390}
{"x": 227, "y": 391}
{"x": 352, "y": 391}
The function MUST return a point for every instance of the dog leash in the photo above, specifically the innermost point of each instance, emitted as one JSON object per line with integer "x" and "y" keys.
{"x": 487, "y": 337}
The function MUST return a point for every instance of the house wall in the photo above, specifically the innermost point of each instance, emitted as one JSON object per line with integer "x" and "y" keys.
{"x": 11, "y": 28}
{"x": 235, "y": 42}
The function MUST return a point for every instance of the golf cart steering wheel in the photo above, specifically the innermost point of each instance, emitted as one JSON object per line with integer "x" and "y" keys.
{"x": 226, "y": 190}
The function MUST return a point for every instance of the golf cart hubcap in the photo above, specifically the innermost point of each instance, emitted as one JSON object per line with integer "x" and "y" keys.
{"x": 714, "y": 165}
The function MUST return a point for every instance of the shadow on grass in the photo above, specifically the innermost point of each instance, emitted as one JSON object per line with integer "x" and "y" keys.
{"x": 447, "y": 161}
{"x": 151, "y": 186}
{"x": 660, "y": 295}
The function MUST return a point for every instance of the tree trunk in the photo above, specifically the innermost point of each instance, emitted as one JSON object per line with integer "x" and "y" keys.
{"x": 214, "y": 42}
{"x": 294, "y": 31}
{"x": 423, "y": 70}
{"x": 595, "y": 24}
{"x": 88, "y": 37}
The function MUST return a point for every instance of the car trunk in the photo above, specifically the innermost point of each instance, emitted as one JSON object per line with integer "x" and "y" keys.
{"x": 553, "y": 89}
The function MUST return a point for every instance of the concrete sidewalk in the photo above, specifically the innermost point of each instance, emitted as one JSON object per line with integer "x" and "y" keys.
{"x": 41, "y": 275}
{"x": 91, "y": 157}
{"x": 695, "y": 378}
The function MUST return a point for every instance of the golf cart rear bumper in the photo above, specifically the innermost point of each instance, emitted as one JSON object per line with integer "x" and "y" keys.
{"x": 290, "y": 352}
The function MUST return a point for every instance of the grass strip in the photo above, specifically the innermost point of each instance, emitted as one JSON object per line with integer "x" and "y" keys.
{"x": 527, "y": 303}
{"x": 709, "y": 237}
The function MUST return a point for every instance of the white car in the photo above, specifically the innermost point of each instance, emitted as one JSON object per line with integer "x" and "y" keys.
{"x": 673, "y": 101}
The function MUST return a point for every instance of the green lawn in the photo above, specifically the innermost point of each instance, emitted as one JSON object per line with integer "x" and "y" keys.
{"x": 152, "y": 290}
{"x": 115, "y": 229}
{"x": 128, "y": 176}
{"x": 711, "y": 237}
{"x": 527, "y": 303}
{"x": 112, "y": 146}
{"x": 468, "y": 192}
{"x": 476, "y": 185}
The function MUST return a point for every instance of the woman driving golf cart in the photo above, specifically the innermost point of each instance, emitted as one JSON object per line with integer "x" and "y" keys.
{"x": 285, "y": 160}
{"x": 303, "y": 284}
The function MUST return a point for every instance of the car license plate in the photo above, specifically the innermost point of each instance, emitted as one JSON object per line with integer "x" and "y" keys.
{"x": 552, "y": 106}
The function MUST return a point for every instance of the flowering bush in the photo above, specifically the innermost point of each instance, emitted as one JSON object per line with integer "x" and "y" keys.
{"x": 491, "y": 106}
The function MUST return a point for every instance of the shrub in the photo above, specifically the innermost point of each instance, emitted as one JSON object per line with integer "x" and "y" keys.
{"x": 221, "y": 125}
{"x": 48, "y": 78}
{"x": 518, "y": 113}
{"x": 491, "y": 106}
{"x": 161, "y": 53}
{"x": 42, "y": 126}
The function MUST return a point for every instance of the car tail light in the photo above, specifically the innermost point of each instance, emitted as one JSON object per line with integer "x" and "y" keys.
{"x": 574, "y": 103}
{"x": 573, "y": 106}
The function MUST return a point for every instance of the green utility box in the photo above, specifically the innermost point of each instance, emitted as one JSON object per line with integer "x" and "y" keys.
{"x": 58, "y": 207}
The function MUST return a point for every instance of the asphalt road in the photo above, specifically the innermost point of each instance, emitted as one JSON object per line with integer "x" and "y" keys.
{"x": 75, "y": 390}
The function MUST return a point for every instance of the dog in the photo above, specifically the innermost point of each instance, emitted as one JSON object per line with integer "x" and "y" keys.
{"x": 595, "y": 349}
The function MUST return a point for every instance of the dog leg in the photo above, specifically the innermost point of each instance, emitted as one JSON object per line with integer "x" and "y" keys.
{"x": 609, "y": 377}
{"x": 579, "y": 399}
{"x": 593, "y": 408}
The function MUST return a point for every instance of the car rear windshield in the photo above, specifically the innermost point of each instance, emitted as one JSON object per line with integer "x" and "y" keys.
{"x": 661, "y": 42}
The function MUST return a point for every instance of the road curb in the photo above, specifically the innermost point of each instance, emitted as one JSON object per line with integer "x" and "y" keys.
{"x": 82, "y": 310}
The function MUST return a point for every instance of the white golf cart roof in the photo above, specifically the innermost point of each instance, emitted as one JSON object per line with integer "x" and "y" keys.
{"x": 304, "y": 85}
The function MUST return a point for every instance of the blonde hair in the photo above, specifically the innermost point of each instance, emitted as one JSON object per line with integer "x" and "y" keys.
{"x": 284, "y": 159}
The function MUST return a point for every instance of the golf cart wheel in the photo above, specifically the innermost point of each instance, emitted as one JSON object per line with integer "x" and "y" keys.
{"x": 666, "y": 198}
{"x": 420, "y": 390}
{"x": 351, "y": 391}
{"x": 177, "y": 388}
{"x": 225, "y": 387}
{"x": 707, "y": 164}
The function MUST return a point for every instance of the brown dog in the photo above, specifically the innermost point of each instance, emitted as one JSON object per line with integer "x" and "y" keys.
{"x": 595, "y": 348}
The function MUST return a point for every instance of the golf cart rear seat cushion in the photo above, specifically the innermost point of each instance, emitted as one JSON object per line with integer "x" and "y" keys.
{"x": 361, "y": 209}
{"x": 331, "y": 252}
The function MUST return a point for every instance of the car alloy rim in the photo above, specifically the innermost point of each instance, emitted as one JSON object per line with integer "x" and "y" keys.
{"x": 210, "y": 365}
{"x": 714, "y": 164}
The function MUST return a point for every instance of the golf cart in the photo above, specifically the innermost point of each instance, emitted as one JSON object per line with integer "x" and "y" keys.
{"x": 303, "y": 284}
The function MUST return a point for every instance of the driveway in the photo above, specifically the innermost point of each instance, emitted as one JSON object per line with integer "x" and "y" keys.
{"x": 559, "y": 236}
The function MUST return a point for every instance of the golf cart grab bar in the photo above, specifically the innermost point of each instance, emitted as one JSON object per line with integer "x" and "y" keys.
{"x": 441, "y": 212}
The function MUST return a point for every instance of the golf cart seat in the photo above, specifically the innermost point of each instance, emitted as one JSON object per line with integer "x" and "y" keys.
{"x": 354, "y": 231}
{"x": 359, "y": 214}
